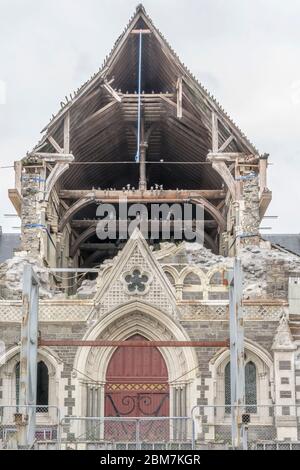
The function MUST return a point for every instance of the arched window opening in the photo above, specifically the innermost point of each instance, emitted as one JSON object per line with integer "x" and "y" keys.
{"x": 217, "y": 279}
{"x": 217, "y": 288}
{"x": 42, "y": 391}
{"x": 227, "y": 387}
{"x": 17, "y": 374}
{"x": 250, "y": 388}
{"x": 170, "y": 278}
{"x": 192, "y": 287}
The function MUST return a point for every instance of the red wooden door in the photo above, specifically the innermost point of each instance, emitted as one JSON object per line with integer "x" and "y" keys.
{"x": 137, "y": 386}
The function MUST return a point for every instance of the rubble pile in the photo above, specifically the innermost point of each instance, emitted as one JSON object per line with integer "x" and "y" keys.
{"x": 11, "y": 276}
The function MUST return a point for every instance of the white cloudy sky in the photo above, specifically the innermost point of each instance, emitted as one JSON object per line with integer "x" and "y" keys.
{"x": 246, "y": 52}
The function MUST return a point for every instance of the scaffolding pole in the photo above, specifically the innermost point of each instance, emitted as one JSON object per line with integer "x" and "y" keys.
{"x": 237, "y": 370}
{"x": 26, "y": 419}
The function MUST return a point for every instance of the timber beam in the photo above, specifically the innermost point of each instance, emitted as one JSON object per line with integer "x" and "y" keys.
{"x": 101, "y": 247}
{"x": 264, "y": 202}
{"x": 113, "y": 247}
{"x": 85, "y": 223}
{"x": 54, "y": 157}
{"x": 138, "y": 196}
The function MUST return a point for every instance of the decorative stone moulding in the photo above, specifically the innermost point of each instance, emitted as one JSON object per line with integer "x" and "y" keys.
{"x": 136, "y": 281}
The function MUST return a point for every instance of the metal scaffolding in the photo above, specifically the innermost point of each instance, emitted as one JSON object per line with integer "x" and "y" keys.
{"x": 26, "y": 422}
{"x": 237, "y": 370}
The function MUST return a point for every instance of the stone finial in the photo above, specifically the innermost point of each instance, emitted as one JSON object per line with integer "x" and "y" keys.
{"x": 283, "y": 338}
{"x": 140, "y": 7}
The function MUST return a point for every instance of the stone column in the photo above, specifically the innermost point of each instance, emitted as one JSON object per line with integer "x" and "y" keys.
{"x": 263, "y": 165}
{"x": 248, "y": 220}
{"x": 284, "y": 371}
{"x": 31, "y": 221}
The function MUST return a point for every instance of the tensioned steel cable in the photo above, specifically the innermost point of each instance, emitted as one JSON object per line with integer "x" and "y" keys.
{"x": 137, "y": 157}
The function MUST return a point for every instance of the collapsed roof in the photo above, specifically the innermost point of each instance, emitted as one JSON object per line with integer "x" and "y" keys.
{"x": 104, "y": 113}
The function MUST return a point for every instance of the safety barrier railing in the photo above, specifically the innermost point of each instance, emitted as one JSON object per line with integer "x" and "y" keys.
{"x": 14, "y": 418}
{"x": 127, "y": 433}
{"x": 262, "y": 427}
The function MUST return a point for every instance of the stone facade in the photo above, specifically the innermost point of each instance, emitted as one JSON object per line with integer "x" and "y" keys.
{"x": 163, "y": 291}
{"x": 163, "y": 311}
{"x": 250, "y": 213}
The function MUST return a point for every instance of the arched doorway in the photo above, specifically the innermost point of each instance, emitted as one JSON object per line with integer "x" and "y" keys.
{"x": 137, "y": 383}
{"x": 121, "y": 324}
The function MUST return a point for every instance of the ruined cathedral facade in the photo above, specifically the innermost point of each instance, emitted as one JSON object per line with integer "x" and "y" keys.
{"x": 138, "y": 289}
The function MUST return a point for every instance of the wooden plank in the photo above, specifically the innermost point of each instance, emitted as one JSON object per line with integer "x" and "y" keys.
{"x": 179, "y": 97}
{"x": 54, "y": 157}
{"x": 85, "y": 223}
{"x": 82, "y": 92}
{"x": 97, "y": 113}
{"x": 138, "y": 31}
{"x": 265, "y": 199}
{"x": 16, "y": 200}
{"x": 226, "y": 143}
{"x": 112, "y": 92}
{"x": 55, "y": 144}
{"x": 229, "y": 156}
{"x": 145, "y": 195}
{"x": 215, "y": 133}
{"x": 67, "y": 133}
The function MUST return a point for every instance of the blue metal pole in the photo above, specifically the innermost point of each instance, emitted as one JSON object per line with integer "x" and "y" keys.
{"x": 137, "y": 157}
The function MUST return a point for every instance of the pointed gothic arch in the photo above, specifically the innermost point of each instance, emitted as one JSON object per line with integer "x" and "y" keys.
{"x": 52, "y": 362}
{"x": 136, "y": 317}
{"x": 264, "y": 369}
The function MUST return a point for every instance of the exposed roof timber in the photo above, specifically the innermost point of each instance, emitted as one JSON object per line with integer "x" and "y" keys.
{"x": 97, "y": 114}
{"x": 77, "y": 206}
{"x": 140, "y": 31}
{"x": 91, "y": 231}
{"x": 133, "y": 196}
{"x": 54, "y": 157}
{"x": 82, "y": 238}
{"x": 84, "y": 89}
{"x": 193, "y": 85}
{"x": 86, "y": 223}
{"x": 226, "y": 143}
{"x": 55, "y": 145}
{"x": 208, "y": 241}
{"x": 189, "y": 78}
{"x": 212, "y": 210}
{"x": 264, "y": 202}
{"x": 16, "y": 200}
{"x": 91, "y": 198}
{"x": 112, "y": 92}
{"x": 102, "y": 126}
{"x": 96, "y": 139}
{"x": 185, "y": 114}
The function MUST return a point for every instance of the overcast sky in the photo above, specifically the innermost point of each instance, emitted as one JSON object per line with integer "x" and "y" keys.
{"x": 246, "y": 52}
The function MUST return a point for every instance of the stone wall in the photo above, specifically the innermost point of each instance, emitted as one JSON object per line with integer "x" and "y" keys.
{"x": 260, "y": 332}
{"x": 250, "y": 219}
{"x": 31, "y": 185}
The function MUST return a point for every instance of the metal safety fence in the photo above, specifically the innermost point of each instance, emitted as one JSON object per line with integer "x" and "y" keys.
{"x": 14, "y": 422}
{"x": 262, "y": 427}
{"x": 123, "y": 433}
